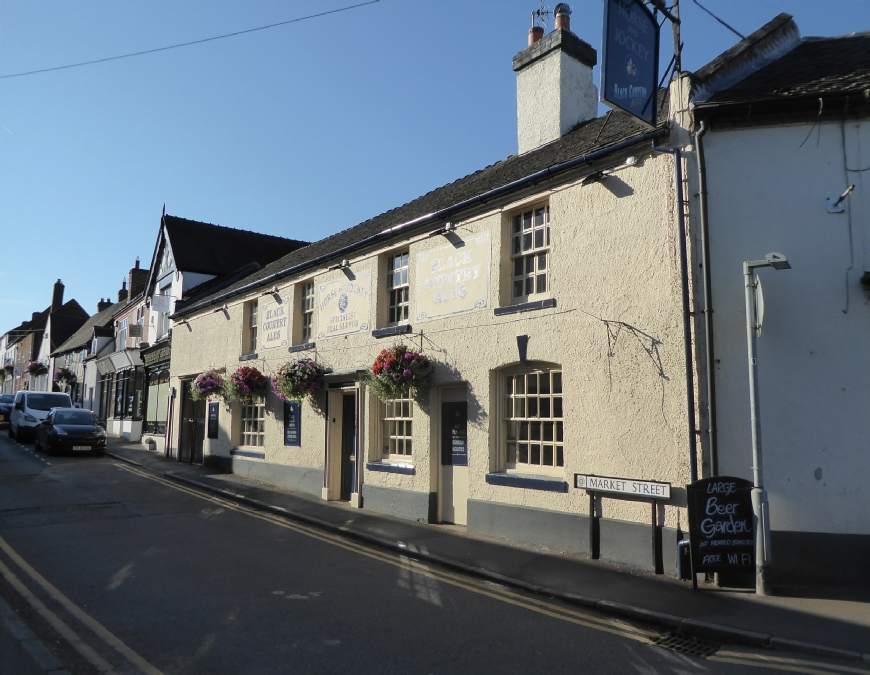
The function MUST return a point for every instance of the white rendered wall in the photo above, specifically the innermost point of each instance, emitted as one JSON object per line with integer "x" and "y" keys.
{"x": 767, "y": 192}
{"x": 554, "y": 94}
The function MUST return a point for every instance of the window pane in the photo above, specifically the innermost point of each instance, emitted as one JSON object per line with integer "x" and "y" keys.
{"x": 536, "y": 431}
{"x": 557, "y": 406}
{"x": 524, "y": 431}
{"x": 559, "y": 437}
{"x": 548, "y": 455}
{"x": 518, "y": 223}
{"x": 527, "y": 241}
{"x": 539, "y": 217}
{"x": 557, "y": 383}
{"x": 539, "y": 238}
{"x": 527, "y": 220}
{"x": 560, "y": 457}
{"x": 548, "y": 431}
{"x": 511, "y": 453}
{"x": 530, "y": 264}
{"x": 536, "y": 454}
{"x": 542, "y": 261}
{"x": 524, "y": 453}
{"x": 520, "y": 382}
{"x": 542, "y": 283}
{"x": 520, "y": 407}
{"x": 532, "y": 382}
{"x": 530, "y": 285}
{"x": 545, "y": 383}
{"x": 518, "y": 267}
{"x": 516, "y": 245}
{"x": 518, "y": 288}
{"x": 533, "y": 406}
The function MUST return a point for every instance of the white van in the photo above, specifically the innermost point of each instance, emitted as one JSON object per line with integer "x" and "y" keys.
{"x": 31, "y": 408}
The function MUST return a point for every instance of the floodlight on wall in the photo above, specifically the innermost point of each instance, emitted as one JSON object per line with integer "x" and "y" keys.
{"x": 447, "y": 229}
{"x": 223, "y": 308}
{"x": 343, "y": 265}
{"x": 273, "y": 292}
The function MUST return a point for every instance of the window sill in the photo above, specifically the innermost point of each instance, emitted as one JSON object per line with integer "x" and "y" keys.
{"x": 391, "y": 330}
{"x": 390, "y": 468}
{"x": 248, "y": 453}
{"x": 525, "y": 307}
{"x": 301, "y": 348}
{"x": 248, "y": 357}
{"x": 528, "y": 481}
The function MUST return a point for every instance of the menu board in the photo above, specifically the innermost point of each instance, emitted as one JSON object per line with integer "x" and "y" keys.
{"x": 721, "y": 524}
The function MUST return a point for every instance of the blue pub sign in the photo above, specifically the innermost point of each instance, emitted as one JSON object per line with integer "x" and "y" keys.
{"x": 629, "y": 74}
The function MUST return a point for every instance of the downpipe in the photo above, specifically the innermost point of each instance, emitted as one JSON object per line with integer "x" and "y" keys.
{"x": 687, "y": 317}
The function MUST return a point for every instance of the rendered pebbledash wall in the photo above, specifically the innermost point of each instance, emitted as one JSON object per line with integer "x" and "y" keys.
{"x": 616, "y": 333}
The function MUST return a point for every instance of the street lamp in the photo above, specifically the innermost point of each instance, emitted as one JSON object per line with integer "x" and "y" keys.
{"x": 760, "y": 507}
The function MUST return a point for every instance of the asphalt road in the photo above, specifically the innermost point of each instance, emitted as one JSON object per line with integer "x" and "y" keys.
{"x": 115, "y": 569}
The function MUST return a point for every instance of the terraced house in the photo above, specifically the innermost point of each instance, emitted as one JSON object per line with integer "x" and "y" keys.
{"x": 546, "y": 290}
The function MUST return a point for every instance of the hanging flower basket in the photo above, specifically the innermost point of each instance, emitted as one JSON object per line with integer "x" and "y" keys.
{"x": 66, "y": 376}
{"x": 210, "y": 383}
{"x": 245, "y": 384}
{"x": 6, "y": 370}
{"x": 399, "y": 372}
{"x": 298, "y": 379}
{"x": 37, "y": 368}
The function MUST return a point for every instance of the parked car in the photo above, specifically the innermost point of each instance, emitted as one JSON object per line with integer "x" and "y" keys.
{"x": 71, "y": 430}
{"x": 6, "y": 401}
{"x": 31, "y": 408}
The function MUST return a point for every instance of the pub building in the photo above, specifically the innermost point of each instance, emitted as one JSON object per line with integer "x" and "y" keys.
{"x": 545, "y": 291}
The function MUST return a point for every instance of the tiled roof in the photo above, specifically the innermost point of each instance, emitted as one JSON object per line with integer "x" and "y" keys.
{"x": 82, "y": 337}
{"x": 213, "y": 249}
{"x": 815, "y": 68}
{"x": 597, "y": 134}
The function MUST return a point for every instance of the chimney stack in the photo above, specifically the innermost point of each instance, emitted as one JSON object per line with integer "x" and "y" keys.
{"x": 563, "y": 16}
{"x": 535, "y": 34}
{"x": 57, "y": 296}
{"x": 34, "y": 316}
{"x": 555, "y": 91}
{"x": 137, "y": 279}
{"x": 122, "y": 294}
{"x": 103, "y": 304}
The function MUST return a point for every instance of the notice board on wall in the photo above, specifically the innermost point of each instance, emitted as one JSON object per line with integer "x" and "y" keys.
{"x": 213, "y": 412}
{"x": 292, "y": 423}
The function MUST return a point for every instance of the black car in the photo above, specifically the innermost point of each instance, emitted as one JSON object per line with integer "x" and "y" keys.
{"x": 71, "y": 430}
{"x": 6, "y": 401}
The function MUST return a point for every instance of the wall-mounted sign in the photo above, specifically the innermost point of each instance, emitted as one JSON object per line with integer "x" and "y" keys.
{"x": 453, "y": 279}
{"x": 344, "y": 306}
{"x": 136, "y": 330}
{"x": 161, "y": 303}
{"x": 630, "y": 64}
{"x": 213, "y": 412}
{"x": 720, "y": 524}
{"x": 637, "y": 489}
{"x": 162, "y": 354}
{"x": 274, "y": 323}
{"x": 292, "y": 423}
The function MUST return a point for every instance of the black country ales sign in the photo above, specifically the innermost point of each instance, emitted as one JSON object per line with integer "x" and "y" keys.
{"x": 453, "y": 279}
{"x": 274, "y": 322}
{"x": 720, "y": 524}
{"x": 344, "y": 306}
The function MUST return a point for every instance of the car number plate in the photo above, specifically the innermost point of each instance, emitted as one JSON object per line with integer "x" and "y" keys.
{"x": 79, "y": 448}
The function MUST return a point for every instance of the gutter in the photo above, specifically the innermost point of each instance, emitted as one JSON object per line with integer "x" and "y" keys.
{"x": 411, "y": 225}
{"x": 708, "y": 301}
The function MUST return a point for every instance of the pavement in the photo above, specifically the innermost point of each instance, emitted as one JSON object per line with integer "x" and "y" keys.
{"x": 824, "y": 621}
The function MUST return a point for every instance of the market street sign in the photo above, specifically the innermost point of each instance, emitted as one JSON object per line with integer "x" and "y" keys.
{"x": 630, "y": 64}
{"x": 638, "y": 489}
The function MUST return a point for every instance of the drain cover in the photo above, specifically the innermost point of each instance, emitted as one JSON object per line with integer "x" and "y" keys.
{"x": 689, "y": 646}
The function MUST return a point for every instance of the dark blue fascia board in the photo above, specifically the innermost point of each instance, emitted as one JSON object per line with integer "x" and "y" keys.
{"x": 301, "y": 348}
{"x": 248, "y": 357}
{"x": 528, "y": 482}
{"x": 390, "y": 468}
{"x": 525, "y": 307}
{"x": 248, "y": 453}
{"x": 392, "y": 330}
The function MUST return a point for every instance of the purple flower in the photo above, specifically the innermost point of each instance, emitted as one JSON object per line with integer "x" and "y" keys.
{"x": 406, "y": 372}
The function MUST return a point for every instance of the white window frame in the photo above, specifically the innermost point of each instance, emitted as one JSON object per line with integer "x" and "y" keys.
{"x": 306, "y": 304}
{"x": 396, "y": 428}
{"x": 398, "y": 288}
{"x": 122, "y": 335}
{"x": 252, "y": 429}
{"x": 250, "y": 326}
{"x": 542, "y": 413}
{"x": 530, "y": 254}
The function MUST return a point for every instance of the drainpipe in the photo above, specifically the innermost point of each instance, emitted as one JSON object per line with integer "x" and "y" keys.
{"x": 687, "y": 317}
{"x": 708, "y": 302}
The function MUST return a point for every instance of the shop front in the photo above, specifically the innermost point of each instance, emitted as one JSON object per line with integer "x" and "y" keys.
{"x": 155, "y": 361}
{"x": 121, "y": 404}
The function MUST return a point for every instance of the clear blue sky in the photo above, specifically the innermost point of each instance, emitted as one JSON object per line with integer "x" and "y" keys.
{"x": 300, "y": 131}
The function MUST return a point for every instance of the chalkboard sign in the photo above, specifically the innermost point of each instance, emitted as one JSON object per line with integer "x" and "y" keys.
{"x": 720, "y": 524}
{"x": 292, "y": 423}
{"x": 213, "y": 411}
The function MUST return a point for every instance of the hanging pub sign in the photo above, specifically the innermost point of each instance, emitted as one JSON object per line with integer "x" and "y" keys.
{"x": 292, "y": 423}
{"x": 344, "y": 306}
{"x": 720, "y": 524}
{"x": 630, "y": 64}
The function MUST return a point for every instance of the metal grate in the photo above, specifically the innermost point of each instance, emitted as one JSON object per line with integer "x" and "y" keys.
{"x": 687, "y": 645}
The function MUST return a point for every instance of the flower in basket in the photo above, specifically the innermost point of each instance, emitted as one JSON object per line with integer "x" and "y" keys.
{"x": 37, "y": 368}
{"x": 66, "y": 376}
{"x": 210, "y": 383}
{"x": 399, "y": 372}
{"x": 298, "y": 379}
{"x": 244, "y": 384}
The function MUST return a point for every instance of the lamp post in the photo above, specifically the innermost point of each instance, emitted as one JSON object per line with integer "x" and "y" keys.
{"x": 760, "y": 507}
